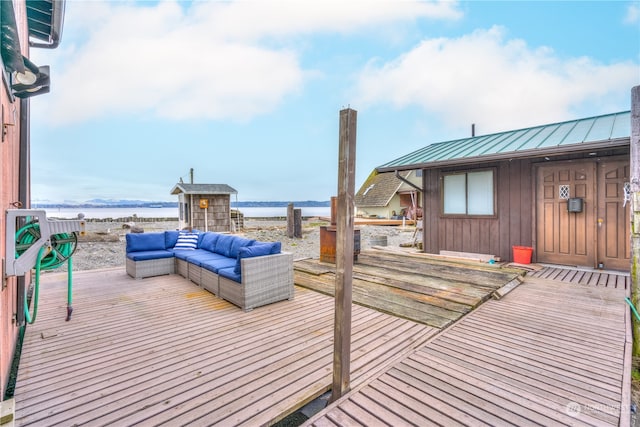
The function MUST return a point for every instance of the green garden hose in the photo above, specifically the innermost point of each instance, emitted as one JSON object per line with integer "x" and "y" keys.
{"x": 633, "y": 308}
{"x": 62, "y": 246}
{"x": 36, "y": 291}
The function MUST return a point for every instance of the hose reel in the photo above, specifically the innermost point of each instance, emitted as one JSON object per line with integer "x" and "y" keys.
{"x": 41, "y": 243}
{"x": 29, "y": 230}
{"x": 61, "y": 246}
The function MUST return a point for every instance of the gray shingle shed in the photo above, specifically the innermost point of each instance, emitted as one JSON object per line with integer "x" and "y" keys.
{"x": 206, "y": 207}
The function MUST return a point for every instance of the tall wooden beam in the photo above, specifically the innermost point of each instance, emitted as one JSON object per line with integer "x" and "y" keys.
{"x": 635, "y": 211}
{"x": 344, "y": 253}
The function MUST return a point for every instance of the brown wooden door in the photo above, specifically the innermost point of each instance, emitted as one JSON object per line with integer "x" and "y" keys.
{"x": 613, "y": 221}
{"x": 564, "y": 237}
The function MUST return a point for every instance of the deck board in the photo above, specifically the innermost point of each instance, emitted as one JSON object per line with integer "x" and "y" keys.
{"x": 525, "y": 359}
{"x": 435, "y": 292}
{"x": 600, "y": 278}
{"x": 161, "y": 350}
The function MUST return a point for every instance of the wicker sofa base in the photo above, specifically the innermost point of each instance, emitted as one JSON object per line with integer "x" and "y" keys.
{"x": 182, "y": 268}
{"x": 149, "y": 268}
{"x": 194, "y": 273}
{"x": 263, "y": 282}
{"x": 209, "y": 281}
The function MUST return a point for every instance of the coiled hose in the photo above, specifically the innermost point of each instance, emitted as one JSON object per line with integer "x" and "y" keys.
{"x": 62, "y": 247}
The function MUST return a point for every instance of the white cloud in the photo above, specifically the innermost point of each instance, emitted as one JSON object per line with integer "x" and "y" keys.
{"x": 633, "y": 14}
{"x": 210, "y": 60}
{"x": 485, "y": 78}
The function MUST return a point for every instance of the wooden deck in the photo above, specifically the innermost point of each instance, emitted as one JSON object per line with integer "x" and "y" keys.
{"x": 548, "y": 353}
{"x": 162, "y": 350}
{"x": 429, "y": 290}
{"x": 584, "y": 276}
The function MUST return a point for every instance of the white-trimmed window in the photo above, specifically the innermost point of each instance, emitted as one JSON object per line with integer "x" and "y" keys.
{"x": 469, "y": 193}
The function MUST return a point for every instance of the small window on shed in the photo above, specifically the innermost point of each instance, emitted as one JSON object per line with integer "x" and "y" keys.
{"x": 469, "y": 193}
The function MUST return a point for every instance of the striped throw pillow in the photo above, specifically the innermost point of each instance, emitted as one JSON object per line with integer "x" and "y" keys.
{"x": 188, "y": 241}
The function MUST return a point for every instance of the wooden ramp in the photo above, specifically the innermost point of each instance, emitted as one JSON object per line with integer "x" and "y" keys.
{"x": 429, "y": 290}
{"x": 161, "y": 350}
{"x": 548, "y": 353}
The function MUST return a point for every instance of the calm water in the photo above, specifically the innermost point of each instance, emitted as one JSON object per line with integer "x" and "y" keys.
{"x": 259, "y": 212}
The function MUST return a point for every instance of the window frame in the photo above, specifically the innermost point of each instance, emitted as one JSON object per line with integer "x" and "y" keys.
{"x": 466, "y": 172}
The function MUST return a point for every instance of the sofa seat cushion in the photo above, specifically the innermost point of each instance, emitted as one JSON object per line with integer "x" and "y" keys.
{"x": 257, "y": 249}
{"x": 229, "y": 273}
{"x": 148, "y": 255}
{"x": 199, "y": 258}
{"x": 229, "y": 245}
{"x": 145, "y": 242}
{"x": 184, "y": 254}
{"x": 216, "y": 264}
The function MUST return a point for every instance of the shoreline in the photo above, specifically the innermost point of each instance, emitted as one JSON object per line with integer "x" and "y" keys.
{"x": 104, "y": 244}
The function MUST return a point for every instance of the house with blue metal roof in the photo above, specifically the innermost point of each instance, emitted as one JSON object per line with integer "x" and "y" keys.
{"x": 561, "y": 189}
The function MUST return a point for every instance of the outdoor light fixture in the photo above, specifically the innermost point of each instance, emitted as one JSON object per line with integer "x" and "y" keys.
{"x": 28, "y": 75}
{"x": 36, "y": 85}
{"x": 26, "y": 79}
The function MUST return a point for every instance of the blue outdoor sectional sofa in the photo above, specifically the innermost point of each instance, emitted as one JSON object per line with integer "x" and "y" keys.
{"x": 246, "y": 272}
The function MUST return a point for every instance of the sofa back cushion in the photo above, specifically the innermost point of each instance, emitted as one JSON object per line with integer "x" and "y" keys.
{"x": 228, "y": 245}
{"x": 187, "y": 241}
{"x": 208, "y": 241}
{"x": 239, "y": 242}
{"x": 223, "y": 244}
{"x": 257, "y": 249}
{"x": 145, "y": 242}
{"x": 170, "y": 238}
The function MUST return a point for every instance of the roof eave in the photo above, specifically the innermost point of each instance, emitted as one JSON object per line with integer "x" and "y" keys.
{"x": 50, "y": 39}
{"x": 535, "y": 152}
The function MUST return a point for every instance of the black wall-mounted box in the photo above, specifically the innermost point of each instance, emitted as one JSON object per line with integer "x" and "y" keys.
{"x": 575, "y": 204}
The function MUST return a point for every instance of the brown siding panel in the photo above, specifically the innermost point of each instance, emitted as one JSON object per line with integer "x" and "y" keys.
{"x": 511, "y": 226}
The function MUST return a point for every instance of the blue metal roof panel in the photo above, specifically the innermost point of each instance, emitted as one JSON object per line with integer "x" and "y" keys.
{"x": 592, "y": 130}
{"x": 493, "y": 142}
{"x": 558, "y": 135}
{"x": 538, "y": 138}
{"x": 600, "y": 130}
{"x": 621, "y": 127}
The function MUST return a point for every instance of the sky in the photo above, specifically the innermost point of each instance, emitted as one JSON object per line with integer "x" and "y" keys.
{"x": 249, "y": 93}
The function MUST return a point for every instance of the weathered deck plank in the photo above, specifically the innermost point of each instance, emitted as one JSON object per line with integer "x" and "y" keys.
{"x": 430, "y": 291}
{"x": 548, "y": 353}
{"x": 162, "y": 350}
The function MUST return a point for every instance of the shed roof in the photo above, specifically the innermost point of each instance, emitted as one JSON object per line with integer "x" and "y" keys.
{"x": 607, "y": 131}
{"x": 378, "y": 190}
{"x": 202, "y": 189}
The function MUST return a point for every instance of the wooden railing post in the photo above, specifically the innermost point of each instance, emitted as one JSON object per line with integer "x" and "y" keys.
{"x": 344, "y": 253}
{"x": 290, "y": 220}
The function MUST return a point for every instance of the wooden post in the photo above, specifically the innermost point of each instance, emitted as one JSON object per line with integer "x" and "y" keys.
{"x": 290, "y": 226}
{"x": 344, "y": 254}
{"x": 635, "y": 212}
{"x": 297, "y": 223}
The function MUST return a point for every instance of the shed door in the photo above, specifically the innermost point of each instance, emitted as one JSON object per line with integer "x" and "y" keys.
{"x": 565, "y": 237}
{"x": 614, "y": 226}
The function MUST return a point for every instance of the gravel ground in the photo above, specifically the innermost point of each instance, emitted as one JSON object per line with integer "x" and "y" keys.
{"x": 103, "y": 246}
